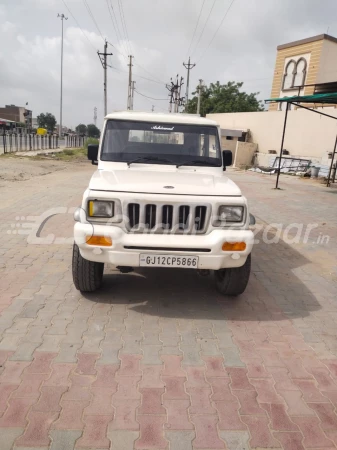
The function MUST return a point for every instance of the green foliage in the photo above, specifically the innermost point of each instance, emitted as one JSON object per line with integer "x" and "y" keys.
{"x": 90, "y": 141}
{"x": 93, "y": 131}
{"x": 47, "y": 121}
{"x": 224, "y": 98}
{"x": 81, "y": 129}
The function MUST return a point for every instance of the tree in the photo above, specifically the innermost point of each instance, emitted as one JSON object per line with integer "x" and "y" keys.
{"x": 93, "y": 131}
{"x": 224, "y": 98}
{"x": 81, "y": 129}
{"x": 47, "y": 121}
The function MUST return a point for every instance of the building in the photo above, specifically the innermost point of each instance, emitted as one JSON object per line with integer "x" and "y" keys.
{"x": 299, "y": 66}
{"x": 14, "y": 113}
{"x": 305, "y": 62}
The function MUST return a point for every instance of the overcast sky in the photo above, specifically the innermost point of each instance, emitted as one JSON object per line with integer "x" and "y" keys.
{"x": 159, "y": 35}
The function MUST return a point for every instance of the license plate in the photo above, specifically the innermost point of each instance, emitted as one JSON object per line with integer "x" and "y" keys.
{"x": 183, "y": 262}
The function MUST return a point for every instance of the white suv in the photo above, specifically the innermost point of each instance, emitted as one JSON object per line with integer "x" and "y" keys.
{"x": 160, "y": 198}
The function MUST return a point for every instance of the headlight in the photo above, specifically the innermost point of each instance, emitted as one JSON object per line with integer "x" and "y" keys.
{"x": 231, "y": 214}
{"x": 98, "y": 208}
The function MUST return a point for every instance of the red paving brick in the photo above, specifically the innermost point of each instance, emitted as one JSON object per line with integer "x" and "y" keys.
{"x": 215, "y": 367}
{"x": 152, "y": 377}
{"x": 172, "y": 366}
{"x": 50, "y": 399}
{"x": 229, "y": 418}
{"x": 130, "y": 366}
{"x": 286, "y": 396}
{"x": 15, "y": 415}
{"x": 71, "y": 415}
{"x": 13, "y": 372}
{"x": 101, "y": 401}
{"x": 151, "y": 402}
{"x": 151, "y": 433}
{"x": 41, "y": 363}
{"x": 200, "y": 401}
{"x": 290, "y": 441}
{"x": 125, "y": 415}
{"x": 95, "y": 432}
{"x": 86, "y": 363}
{"x": 177, "y": 415}
{"x": 312, "y": 432}
{"x": 36, "y": 434}
{"x": 259, "y": 431}
{"x": 5, "y": 392}
{"x": 206, "y": 433}
{"x": 174, "y": 388}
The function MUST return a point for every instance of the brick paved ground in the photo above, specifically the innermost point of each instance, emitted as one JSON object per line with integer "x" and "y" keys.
{"x": 158, "y": 360}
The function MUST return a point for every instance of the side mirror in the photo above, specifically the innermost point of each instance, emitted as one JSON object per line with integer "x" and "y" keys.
{"x": 93, "y": 153}
{"x": 227, "y": 158}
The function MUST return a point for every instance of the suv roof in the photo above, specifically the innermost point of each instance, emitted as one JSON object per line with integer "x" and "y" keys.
{"x": 161, "y": 117}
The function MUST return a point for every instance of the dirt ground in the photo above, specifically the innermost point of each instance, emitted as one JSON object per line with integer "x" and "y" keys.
{"x": 16, "y": 168}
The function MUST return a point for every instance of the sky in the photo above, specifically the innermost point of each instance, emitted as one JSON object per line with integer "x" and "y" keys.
{"x": 160, "y": 34}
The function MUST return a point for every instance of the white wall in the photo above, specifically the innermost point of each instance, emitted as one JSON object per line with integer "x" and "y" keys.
{"x": 308, "y": 135}
{"x": 328, "y": 64}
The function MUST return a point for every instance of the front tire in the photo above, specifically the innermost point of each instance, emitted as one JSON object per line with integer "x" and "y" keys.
{"x": 233, "y": 281}
{"x": 87, "y": 275}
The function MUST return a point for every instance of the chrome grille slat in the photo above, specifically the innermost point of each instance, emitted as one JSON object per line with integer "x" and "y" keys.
{"x": 163, "y": 218}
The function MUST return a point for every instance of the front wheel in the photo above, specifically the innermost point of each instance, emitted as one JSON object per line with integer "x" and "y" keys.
{"x": 233, "y": 281}
{"x": 87, "y": 275}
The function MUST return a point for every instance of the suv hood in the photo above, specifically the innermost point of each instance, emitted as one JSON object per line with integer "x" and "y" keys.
{"x": 160, "y": 182}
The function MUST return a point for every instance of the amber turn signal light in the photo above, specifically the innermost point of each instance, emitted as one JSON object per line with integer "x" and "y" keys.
{"x": 102, "y": 241}
{"x": 234, "y": 246}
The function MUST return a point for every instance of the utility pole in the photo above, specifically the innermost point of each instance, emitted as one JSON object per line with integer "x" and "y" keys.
{"x": 199, "y": 95}
{"x": 189, "y": 67}
{"x": 175, "y": 94}
{"x": 63, "y": 17}
{"x": 132, "y": 93}
{"x": 128, "y": 105}
{"x": 102, "y": 57}
{"x": 95, "y": 116}
{"x": 152, "y": 108}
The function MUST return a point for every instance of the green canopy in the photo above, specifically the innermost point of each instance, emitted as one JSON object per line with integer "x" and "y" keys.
{"x": 330, "y": 98}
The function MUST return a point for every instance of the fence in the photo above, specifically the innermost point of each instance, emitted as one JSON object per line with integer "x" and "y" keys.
{"x": 26, "y": 142}
{"x": 74, "y": 141}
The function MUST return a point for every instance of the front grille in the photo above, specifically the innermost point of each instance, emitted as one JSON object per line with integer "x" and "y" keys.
{"x": 167, "y": 217}
{"x": 134, "y": 214}
{"x": 200, "y": 217}
{"x": 184, "y": 214}
{"x": 162, "y": 218}
{"x": 150, "y": 216}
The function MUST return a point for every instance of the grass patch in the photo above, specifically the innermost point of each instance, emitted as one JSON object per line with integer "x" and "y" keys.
{"x": 68, "y": 154}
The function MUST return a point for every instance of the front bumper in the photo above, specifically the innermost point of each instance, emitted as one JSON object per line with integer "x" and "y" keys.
{"x": 208, "y": 247}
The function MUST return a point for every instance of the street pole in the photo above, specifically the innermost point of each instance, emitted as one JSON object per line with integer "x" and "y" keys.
{"x": 128, "y": 105}
{"x": 63, "y": 17}
{"x": 132, "y": 93}
{"x": 189, "y": 67}
{"x": 152, "y": 108}
{"x": 105, "y": 65}
{"x": 95, "y": 116}
{"x": 199, "y": 95}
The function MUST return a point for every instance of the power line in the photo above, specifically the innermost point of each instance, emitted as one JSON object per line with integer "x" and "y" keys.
{"x": 202, "y": 32}
{"x": 195, "y": 29}
{"x": 79, "y": 26}
{"x": 216, "y": 31}
{"x": 146, "y": 96}
{"x": 137, "y": 76}
{"x": 143, "y": 68}
{"x": 93, "y": 18}
{"x": 116, "y": 27}
{"x": 121, "y": 13}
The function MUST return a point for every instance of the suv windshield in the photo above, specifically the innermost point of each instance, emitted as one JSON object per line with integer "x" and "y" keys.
{"x": 161, "y": 143}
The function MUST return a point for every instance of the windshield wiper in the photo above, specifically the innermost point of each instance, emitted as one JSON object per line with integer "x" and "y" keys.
{"x": 148, "y": 158}
{"x": 196, "y": 162}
